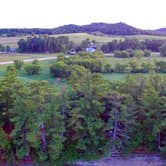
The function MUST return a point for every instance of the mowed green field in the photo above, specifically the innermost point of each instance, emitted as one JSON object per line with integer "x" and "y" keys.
{"x": 11, "y": 57}
{"x": 154, "y": 57}
{"x": 78, "y": 37}
{"x": 45, "y": 74}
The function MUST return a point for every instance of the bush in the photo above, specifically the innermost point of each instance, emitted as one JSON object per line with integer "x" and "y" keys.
{"x": 108, "y": 68}
{"x": 147, "y": 53}
{"x": 163, "y": 50}
{"x": 161, "y": 66}
{"x": 33, "y": 68}
{"x": 120, "y": 68}
{"x": 36, "y": 62}
{"x": 132, "y": 53}
{"x": 18, "y": 64}
{"x": 138, "y": 54}
{"x": 122, "y": 54}
{"x": 60, "y": 69}
{"x": 147, "y": 67}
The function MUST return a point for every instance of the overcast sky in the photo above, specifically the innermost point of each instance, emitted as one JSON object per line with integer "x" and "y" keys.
{"x": 145, "y": 14}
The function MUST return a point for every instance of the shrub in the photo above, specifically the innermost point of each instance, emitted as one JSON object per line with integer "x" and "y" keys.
{"x": 33, "y": 68}
{"x": 138, "y": 54}
{"x": 36, "y": 62}
{"x": 120, "y": 68}
{"x": 60, "y": 69}
{"x": 122, "y": 54}
{"x": 163, "y": 50}
{"x": 147, "y": 53}
{"x": 108, "y": 68}
{"x": 18, "y": 64}
{"x": 161, "y": 66}
{"x": 146, "y": 67}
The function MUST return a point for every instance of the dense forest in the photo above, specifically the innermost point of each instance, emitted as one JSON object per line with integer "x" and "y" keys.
{"x": 44, "y": 44}
{"x": 105, "y": 28}
{"x": 87, "y": 118}
{"x": 153, "y": 45}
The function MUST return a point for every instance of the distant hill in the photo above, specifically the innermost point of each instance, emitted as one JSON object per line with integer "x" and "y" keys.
{"x": 95, "y": 28}
{"x": 161, "y": 30}
{"x": 109, "y": 29}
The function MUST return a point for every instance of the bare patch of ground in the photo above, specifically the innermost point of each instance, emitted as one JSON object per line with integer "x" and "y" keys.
{"x": 136, "y": 160}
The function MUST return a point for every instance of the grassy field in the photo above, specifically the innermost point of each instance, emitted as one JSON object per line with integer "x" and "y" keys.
{"x": 78, "y": 37}
{"x": 45, "y": 74}
{"x": 11, "y": 41}
{"x": 153, "y": 58}
{"x": 144, "y": 37}
{"x": 10, "y": 57}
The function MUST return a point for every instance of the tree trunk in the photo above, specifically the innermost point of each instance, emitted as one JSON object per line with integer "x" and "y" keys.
{"x": 158, "y": 140}
{"x": 43, "y": 137}
{"x": 114, "y": 133}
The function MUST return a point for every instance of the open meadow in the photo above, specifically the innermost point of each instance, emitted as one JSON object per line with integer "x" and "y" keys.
{"x": 45, "y": 67}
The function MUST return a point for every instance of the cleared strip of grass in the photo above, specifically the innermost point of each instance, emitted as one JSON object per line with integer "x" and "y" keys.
{"x": 11, "y": 57}
{"x": 154, "y": 57}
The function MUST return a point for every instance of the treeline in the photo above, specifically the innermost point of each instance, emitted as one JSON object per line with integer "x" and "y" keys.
{"x": 44, "y": 44}
{"x": 92, "y": 118}
{"x": 25, "y": 31}
{"x": 152, "y": 45}
{"x": 4, "y": 48}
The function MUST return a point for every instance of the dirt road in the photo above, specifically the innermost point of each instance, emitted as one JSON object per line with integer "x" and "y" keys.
{"x": 144, "y": 160}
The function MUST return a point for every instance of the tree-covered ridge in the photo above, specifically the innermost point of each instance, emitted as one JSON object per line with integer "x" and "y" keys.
{"x": 105, "y": 28}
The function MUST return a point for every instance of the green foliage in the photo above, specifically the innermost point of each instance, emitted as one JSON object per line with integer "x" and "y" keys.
{"x": 60, "y": 69}
{"x": 120, "y": 68}
{"x": 33, "y": 68}
{"x": 18, "y": 64}
{"x": 163, "y": 50}
{"x": 161, "y": 66}
{"x": 91, "y": 118}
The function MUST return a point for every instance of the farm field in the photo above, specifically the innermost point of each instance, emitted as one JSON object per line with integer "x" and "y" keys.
{"x": 78, "y": 37}
{"x": 11, "y": 41}
{"x": 144, "y": 37}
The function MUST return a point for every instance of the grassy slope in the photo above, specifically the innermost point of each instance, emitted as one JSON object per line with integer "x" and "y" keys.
{"x": 144, "y": 37}
{"x": 11, "y": 41}
{"x": 78, "y": 37}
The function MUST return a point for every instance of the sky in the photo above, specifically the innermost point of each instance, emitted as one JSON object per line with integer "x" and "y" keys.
{"x": 144, "y": 14}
